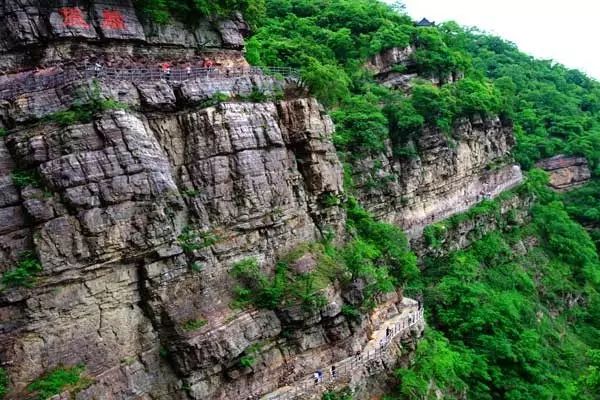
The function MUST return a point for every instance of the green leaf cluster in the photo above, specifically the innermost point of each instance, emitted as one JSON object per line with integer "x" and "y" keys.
{"x": 191, "y": 11}
{"x": 61, "y": 379}
{"x": 89, "y": 103}
{"x": 193, "y": 324}
{"x": 3, "y": 383}
{"x": 24, "y": 273}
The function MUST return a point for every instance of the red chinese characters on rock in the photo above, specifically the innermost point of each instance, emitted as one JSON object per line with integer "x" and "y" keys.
{"x": 73, "y": 17}
{"x": 112, "y": 19}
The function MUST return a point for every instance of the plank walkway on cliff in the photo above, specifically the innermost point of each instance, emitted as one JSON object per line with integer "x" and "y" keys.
{"x": 17, "y": 86}
{"x": 375, "y": 349}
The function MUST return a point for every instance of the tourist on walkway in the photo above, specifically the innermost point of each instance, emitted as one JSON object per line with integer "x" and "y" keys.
{"x": 333, "y": 372}
{"x": 166, "y": 70}
{"x": 188, "y": 71}
{"x": 316, "y": 375}
{"x": 382, "y": 342}
{"x": 358, "y": 356}
{"x": 388, "y": 332}
{"x": 97, "y": 68}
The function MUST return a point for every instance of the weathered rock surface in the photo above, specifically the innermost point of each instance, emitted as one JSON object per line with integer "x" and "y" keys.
{"x": 101, "y": 30}
{"x": 114, "y": 203}
{"x": 111, "y": 198}
{"x": 115, "y": 195}
{"x": 512, "y": 212}
{"x": 566, "y": 172}
{"x": 396, "y": 68}
{"x": 385, "y": 61}
{"x": 148, "y": 96}
{"x": 449, "y": 175}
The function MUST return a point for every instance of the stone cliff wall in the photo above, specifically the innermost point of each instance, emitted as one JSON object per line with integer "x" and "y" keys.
{"x": 566, "y": 172}
{"x": 463, "y": 230}
{"x": 38, "y": 33}
{"x": 109, "y": 206}
{"x": 115, "y": 195}
{"x": 396, "y": 68}
{"x": 138, "y": 215}
{"x": 448, "y": 175}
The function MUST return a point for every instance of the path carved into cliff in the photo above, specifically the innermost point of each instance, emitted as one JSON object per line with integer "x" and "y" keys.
{"x": 377, "y": 347}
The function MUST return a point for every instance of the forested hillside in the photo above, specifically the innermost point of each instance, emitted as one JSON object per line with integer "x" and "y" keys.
{"x": 515, "y": 316}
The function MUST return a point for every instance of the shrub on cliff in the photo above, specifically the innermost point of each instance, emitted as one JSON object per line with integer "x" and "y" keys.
{"x": 71, "y": 379}
{"x": 3, "y": 383}
{"x": 89, "y": 103}
{"x": 24, "y": 273}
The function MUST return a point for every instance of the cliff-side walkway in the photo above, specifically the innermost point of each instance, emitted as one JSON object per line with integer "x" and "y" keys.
{"x": 375, "y": 350}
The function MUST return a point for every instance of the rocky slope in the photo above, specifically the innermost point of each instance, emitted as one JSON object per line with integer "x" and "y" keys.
{"x": 137, "y": 216}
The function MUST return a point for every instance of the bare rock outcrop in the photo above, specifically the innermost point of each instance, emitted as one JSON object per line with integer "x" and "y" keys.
{"x": 137, "y": 216}
{"x": 396, "y": 68}
{"x": 389, "y": 59}
{"x": 566, "y": 173}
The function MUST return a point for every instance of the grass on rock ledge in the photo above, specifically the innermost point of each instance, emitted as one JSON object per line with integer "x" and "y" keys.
{"x": 59, "y": 380}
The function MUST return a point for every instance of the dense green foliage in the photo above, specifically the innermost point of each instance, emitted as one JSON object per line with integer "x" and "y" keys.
{"x": 555, "y": 109}
{"x": 191, "y": 240}
{"x": 509, "y": 323}
{"x": 59, "y": 380}
{"x": 344, "y": 394}
{"x": 248, "y": 358}
{"x": 584, "y": 205}
{"x": 190, "y": 11}
{"x": 331, "y": 40}
{"x": 3, "y": 383}
{"x": 24, "y": 178}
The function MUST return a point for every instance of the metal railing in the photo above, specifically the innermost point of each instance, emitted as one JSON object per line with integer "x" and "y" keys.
{"x": 39, "y": 82}
{"x": 343, "y": 368}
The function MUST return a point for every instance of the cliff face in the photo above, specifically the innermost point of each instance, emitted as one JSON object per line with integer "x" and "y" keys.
{"x": 36, "y": 33}
{"x": 137, "y": 215}
{"x": 448, "y": 175}
{"x": 565, "y": 172}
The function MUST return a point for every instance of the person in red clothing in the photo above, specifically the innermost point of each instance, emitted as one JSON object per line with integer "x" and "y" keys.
{"x": 166, "y": 69}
